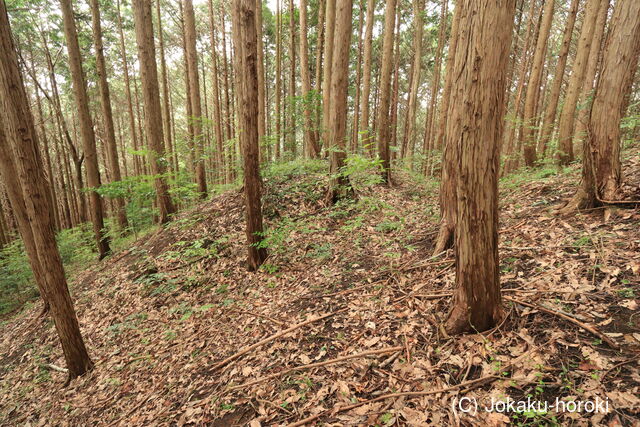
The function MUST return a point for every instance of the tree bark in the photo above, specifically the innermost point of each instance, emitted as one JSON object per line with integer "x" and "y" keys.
{"x": 355, "y": 132}
{"x": 384, "y": 125}
{"x": 554, "y": 95}
{"x": 166, "y": 110}
{"x": 217, "y": 115}
{"x": 578, "y": 71}
{"x": 153, "y": 118}
{"x": 366, "y": 76}
{"x": 262, "y": 99}
{"x": 22, "y": 164}
{"x": 330, "y": 14}
{"x": 245, "y": 41}
{"x": 278, "y": 89}
{"x": 310, "y": 142}
{"x": 476, "y": 124}
{"x": 107, "y": 113}
{"x": 318, "y": 77}
{"x": 601, "y": 171}
{"x": 292, "y": 78}
{"x": 339, "y": 185}
{"x": 86, "y": 128}
{"x": 533, "y": 87}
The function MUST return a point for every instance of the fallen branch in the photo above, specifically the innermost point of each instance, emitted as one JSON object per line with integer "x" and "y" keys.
{"x": 55, "y": 368}
{"x": 316, "y": 365}
{"x": 573, "y": 320}
{"x": 269, "y": 339}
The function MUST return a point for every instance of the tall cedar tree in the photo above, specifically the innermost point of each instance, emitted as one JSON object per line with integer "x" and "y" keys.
{"x": 86, "y": 128}
{"x": 153, "y": 117}
{"x": 245, "y": 42}
{"x": 476, "y": 117}
{"x": 601, "y": 172}
{"x": 23, "y": 174}
{"x": 384, "y": 120}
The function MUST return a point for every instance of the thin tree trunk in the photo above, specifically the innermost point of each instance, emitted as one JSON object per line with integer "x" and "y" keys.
{"x": 194, "y": 95}
{"x": 245, "y": 41}
{"x": 278, "y": 89}
{"x": 262, "y": 100}
{"x": 153, "y": 118}
{"x": 356, "y": 102}
{"x": 476, "y": 125}
{"x": 366, "y": 76}
{"x": 327, "y": 82}
{"x": 107, "y": 113}
{"x": 578, "y": 72}
{"x": 166, "y": 111}
{"x": 86, "y": 128}
{"x": 292, "y": 78}
{"x": 554, "y": 96}
{"x": 384, "y": 125}
{"x": 217, "y": 116}
{"x": 310, "y": 142}
{"x": 318, "y": 77}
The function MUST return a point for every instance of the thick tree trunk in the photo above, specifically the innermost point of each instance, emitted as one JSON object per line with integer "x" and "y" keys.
{"x": 476, "y": 125}
{"x": 153, "y": 117}
{"x": 310, "y": 142}
{"x": 339, "y": 185}
{"x": 578, "y": 71}
{"x": 533, "y": 87}
{"x": 384, "y": 125}
{"x": 194, "y": 96}
{"x": 24, "y": 168}
{"x": 554, "y": 95}
{"x": 416, "y": 66}
{"x": 86, "y": 128}
{"x": 601, "y": 174}
{"x": 245, "y": 41}
{"x": 366, "y": 77}
{"x": 107, "y": 113}
{"x": 166, "y": 110}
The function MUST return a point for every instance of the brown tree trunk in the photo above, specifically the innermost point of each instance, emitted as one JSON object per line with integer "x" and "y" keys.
{"x": 393, "y": 119}
{"x": 278, "y": 135}
{"x": 554, "y": 95}
{"x": 355, "y": 133}
{"x": 292, "y": 78}
{"x": 601, "y": 172}
{"x": 166, "y": 110}
{"x": 416, "y": 66}
{"x": 107, "y": 113}
{"x": 153, "y": 118}
{"x": 590, "y": 74}
{"x": 366, "y": 76}
{"x": 25, "y": 171}
{"x": 194, "y": 95}
{"x": 86, "y": 128}
{"x": 533, "y": 87}
{"x": 339, "y": 185}
{"x": 476, "y": 125}
{"x": 318, "y": 77}
{"x": 578, "y": 71}
{"x": 262, "y": 99}
{"x": 217, "y": 115}
{"x": 384, "y": 125}
{"x": 330, "y": 14}
{"x": 310, "y": 142}
{"x": 245, "y": 41}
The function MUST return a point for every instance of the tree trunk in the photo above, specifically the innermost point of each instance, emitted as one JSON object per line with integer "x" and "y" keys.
{"x": 107, "y": 113}
{"x": 261, "y": 86}
{"x": 533, "y": 87}
{"x": 166, "y": 110}
{"x": 310, "y": 142}
{"x": 578, "y": 71}
{"x": 318, "y": 77}
{"x": 339, "y": 185}
{"x": 217, "y": 115}
{"x": 476, "y": 124}
{"x": 355, "y": 133}
{"x": 590, "y": 74}
{"x": 278, "y": 89}
{"x": 366, "y": 76}
{"x": 194, "y": 96}
{"x": 384, "y": 125}
{"x": 601, "y": 174}
{"x": 554, "y": 95}
{"x": 292, "y": 78}
{"x": 327, "y": 82}
{"x": 245, "y": 41}
{"x": 416, "y": 66}
{"x": 86, "y": 128}
{"x": 25, "y": 171}
{"x": 153, "y": 118}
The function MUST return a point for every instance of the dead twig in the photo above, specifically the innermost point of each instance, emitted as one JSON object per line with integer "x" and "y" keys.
{"x": 573, "y": 320}
{"x": 316, "y": 365}
{"x": 260, "y": 343}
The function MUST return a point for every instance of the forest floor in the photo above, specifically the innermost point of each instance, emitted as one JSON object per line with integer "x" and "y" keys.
{"x": 163, "y": 318}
